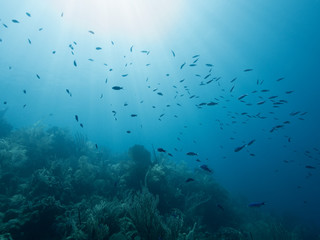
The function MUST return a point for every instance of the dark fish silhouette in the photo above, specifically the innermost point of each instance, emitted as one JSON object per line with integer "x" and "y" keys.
{"x": 124, "y": 75}
{"x": 15, "y": 21}
{"x": 77, "y": 118}
{"x": 131, "y": 48}
{"x": 173, "y": 54}
{"x": 206, "y": 168}
{"x": 182, "y": 65}
{"x": 98, "y": 48}
{"x": 117, "y": 88}
{"x": 310, "y": 167}
{"x": 38, "y": 76}
{"x": 90, "y": 31}
{"x": 238, "y": 149}
{"x": 134, "y": 115}
{"x": 25, "y": 91}
{"x": 242, "y": 96}
{"x": 248, "y": 70}
{"x": 220, "y": 206}
{"x": 161, "y": 150}
{"x": 81, "y": 125}
{"x": 192, "y": 154}
{"x": 211, "y": 103}
{"x": 256, "y": 204}
{"x": 68, "y": 91}
{"x": 75, "y": 63}
{"x": 189, "y": 180}
{"x": 28, "y": 14}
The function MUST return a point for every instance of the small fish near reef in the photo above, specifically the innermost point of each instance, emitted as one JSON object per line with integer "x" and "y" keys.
{"x": 206, "y": 168}
{"x": 161, "y": 150}
{"x": 189, "y": 180}
{"x": 256, "y": 204}
{"x": 192, "y": 154}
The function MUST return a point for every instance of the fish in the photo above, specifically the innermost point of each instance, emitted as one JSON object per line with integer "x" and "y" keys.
{"x": 96, "y": 146}
{"x": 124, "y": 75}
{"x": 6, "y": 26}
{"x": 195, "y": 56}
{"x": 238, "y": 149}
{"x": 242, "y": 96}
{"x": 260, "y": 103}
{"x": 112, "y": 42}
{"x": 98, "y": 48}
{"x": 76, "y": 117}
{"x": 211, "y": 103}
{"x": 117, "y": 88}
{"x": 192, "y": 65}
{"x": 189, "y": 180}
{"x": 233, "y": 80}
{"x": 131, "y": 48}
{"x": 38, "y": 76}
{"x": 24, "y": 91}
{"x": 310, "y": 167}
{"x": 81, "y": 125}
{"x": 248, "y": 70}
{"x": 196, "y": 60}
{"x": 220, "y": 206}
{"x": 276, "y": 127}
{"x": 90, "y": 31}
{"x": 68, "y": 91}
{"x": 280, "y": 79}
{"x": 192, "y": 154}
{"x": 28, "y": 14}
{"x": 232, "y": 88}
{"x": 182, "y": 65}
{"x": 170, "y": 154}
{"x": 160, "y": 93}
{"x": 288, "y": 92}
{"x": 15, "y": 21}
{"x": 161, "y": 150}
{"x": 128, "y": 131}
{"x": 173, "y": 54}
{"x": 256, "y": 204}
{"x": 209, "y": 65}
{"x": 207, "y": 76}
{"x": 75, "y": 63}
{"x": 206, "y": 168}
{"x": 29, "y": 41}
{"x": 134, "y": 115}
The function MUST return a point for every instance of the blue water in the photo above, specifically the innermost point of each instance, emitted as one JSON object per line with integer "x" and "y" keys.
{"x": 277, "y": 39}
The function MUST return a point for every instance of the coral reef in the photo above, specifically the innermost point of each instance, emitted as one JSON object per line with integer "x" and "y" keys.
{"x": 56, "y": 186}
